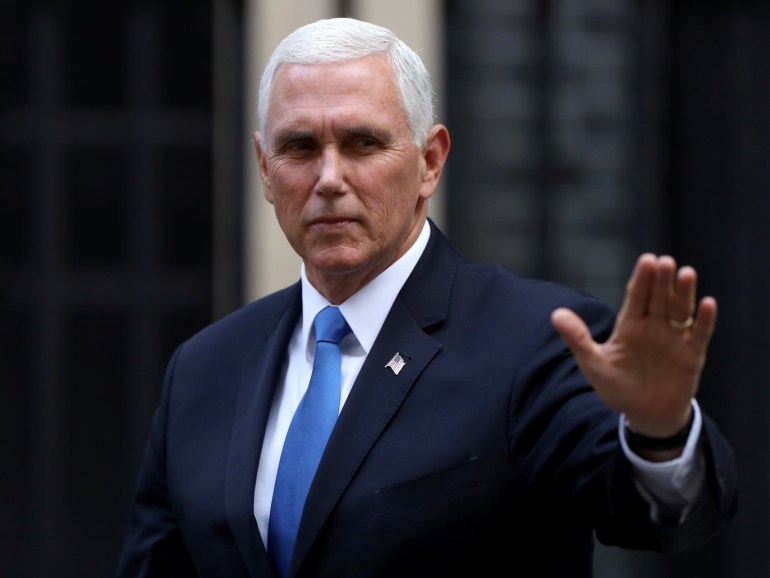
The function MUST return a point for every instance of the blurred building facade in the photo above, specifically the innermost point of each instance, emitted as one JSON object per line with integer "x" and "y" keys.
{"x": 584, "y": 132}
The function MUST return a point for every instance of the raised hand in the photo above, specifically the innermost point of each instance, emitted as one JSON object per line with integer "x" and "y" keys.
{"x": 651, "y": 365}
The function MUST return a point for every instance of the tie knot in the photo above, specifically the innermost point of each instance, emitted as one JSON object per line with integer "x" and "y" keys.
{"x": 330, "y": 325}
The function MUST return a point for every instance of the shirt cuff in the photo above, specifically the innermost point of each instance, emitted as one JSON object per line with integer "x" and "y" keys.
{"x": 673, "y": 484}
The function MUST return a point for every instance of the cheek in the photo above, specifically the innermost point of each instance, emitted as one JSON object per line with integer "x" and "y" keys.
{"x": 287, "y": 211}
{"x": 394, "y": 185}
{"x": 404, "y": 193}
{"x": 288, "y": 186}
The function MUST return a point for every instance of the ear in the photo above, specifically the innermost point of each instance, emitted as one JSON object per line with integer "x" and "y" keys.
{"x": 434, "y": 155}
{"x": 262, "y": 160}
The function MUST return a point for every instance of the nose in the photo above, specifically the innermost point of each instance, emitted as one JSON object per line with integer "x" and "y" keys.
{"x": 330, "y": 172}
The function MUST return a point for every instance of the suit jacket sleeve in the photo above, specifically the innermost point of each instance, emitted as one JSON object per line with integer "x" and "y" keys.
{"x": 565, "y": 441}
{"x": 153, "y": 545}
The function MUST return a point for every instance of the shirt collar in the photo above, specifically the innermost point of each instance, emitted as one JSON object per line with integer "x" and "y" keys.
{"x": 366, "y": 310}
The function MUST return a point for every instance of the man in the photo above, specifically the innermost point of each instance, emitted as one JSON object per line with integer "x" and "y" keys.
{"x": 488, "y": 424}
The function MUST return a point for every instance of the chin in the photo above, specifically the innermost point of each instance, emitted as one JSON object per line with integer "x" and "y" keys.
{"x": 337, "y": 261}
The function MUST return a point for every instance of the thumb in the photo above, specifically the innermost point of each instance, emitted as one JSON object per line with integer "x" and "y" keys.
{"x": 574, "y": 332}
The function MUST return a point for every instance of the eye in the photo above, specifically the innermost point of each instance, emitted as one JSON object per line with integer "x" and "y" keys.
{"x": 366, "y": 143}
{"x": 299, "y": 146}
{"x": 363, "y": 138}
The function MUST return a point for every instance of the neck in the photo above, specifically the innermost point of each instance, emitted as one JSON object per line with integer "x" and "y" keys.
{"x": 338, "y": 287}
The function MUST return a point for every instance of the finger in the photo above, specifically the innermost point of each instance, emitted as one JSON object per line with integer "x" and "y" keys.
{"x": 575, "y": 334}
{"x": 682, "y": 303}
{"x": 704, "y": 326}
{"x": 662, "y": 287}
{"x": 639, "y": 287}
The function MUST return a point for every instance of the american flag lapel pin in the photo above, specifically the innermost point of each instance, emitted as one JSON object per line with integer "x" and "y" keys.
{"x": 397, "y": 363}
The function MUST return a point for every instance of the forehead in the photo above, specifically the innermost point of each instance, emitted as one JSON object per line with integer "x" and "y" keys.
{"x": 349, "y": 88}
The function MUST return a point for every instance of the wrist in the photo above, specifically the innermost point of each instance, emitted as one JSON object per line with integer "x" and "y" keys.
{"x": 640, "y": 442}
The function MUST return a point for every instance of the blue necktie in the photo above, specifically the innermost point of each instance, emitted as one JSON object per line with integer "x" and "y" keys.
{"x": 306, "y": 439}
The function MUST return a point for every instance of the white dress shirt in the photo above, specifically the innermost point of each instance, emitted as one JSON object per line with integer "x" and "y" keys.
{"x": 673, "y": 483}
{"x": 365, "y": 311}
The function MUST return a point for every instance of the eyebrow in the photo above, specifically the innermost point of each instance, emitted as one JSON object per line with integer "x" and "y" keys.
{"x": 288, "y": 136}
{"x": 292, "y": 135}
{"x": 368, "y": 131}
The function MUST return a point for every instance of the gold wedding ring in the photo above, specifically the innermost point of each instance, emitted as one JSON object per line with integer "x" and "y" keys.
{"x": 682, "y": 325}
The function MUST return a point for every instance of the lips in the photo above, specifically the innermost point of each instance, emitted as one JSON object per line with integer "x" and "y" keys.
{"x": 331, "y": 223}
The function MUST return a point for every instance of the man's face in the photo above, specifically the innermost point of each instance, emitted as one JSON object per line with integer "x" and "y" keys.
{"x": 349, "y": 187}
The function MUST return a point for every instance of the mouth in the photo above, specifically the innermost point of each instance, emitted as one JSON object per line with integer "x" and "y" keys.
{"x": 330, "y": 223}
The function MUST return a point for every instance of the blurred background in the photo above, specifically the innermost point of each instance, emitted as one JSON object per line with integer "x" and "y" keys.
{"x": 584, "y": 132}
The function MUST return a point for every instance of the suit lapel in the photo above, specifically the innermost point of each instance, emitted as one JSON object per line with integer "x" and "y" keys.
{"x": 259, "y": 377}
{"x": 379, "y": 391}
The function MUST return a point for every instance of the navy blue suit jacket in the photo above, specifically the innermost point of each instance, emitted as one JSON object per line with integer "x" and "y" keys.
{"x": 488, "y": 453}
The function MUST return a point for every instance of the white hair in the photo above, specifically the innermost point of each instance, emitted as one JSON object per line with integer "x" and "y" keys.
{"x": 336, "y": 39}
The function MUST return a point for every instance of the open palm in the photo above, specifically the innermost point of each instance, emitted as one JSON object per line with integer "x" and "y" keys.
{"x": 650, "y": 367}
